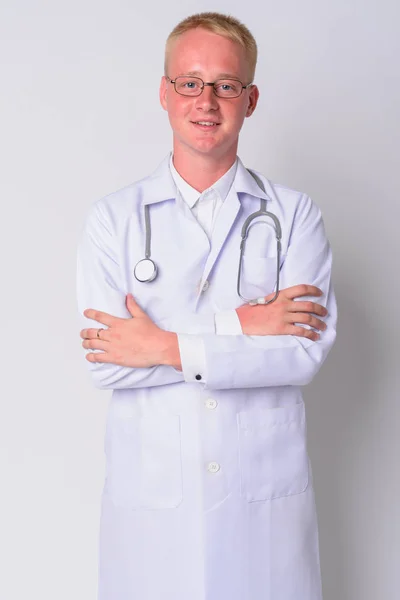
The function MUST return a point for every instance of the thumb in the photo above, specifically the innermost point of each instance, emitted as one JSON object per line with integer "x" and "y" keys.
{"x": 134, "y": 307}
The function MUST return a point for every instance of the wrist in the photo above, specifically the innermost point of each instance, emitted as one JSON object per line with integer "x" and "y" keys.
{"x": 170, "y": 354}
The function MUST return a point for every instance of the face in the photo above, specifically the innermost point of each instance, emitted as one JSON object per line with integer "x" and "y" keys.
{"x": 208, "y": 56}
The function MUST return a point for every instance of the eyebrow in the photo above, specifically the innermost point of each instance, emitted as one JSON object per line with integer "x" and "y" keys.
{"x": 220, "y": 75}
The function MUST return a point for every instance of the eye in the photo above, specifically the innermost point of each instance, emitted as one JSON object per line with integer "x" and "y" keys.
{"x": 228, "y": 88}
{"x": 188, "y": 84}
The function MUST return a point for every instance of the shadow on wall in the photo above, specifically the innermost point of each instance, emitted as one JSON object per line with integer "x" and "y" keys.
{"x": 337, "y": 401}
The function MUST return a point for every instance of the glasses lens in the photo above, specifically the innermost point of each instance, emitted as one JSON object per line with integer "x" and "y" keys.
{"x": 188, "y": 86}
{"x": 228, "y": 88}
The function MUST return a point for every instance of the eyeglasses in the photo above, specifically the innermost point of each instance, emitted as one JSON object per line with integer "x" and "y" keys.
{"x": 194, "y": 86}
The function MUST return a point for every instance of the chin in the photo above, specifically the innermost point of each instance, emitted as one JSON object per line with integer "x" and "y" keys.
{"x": 206, "y": 144}
{"x": 202, "y": 145}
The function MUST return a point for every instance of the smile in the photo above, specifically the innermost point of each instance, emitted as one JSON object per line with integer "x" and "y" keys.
{"x": 205, "y": 124}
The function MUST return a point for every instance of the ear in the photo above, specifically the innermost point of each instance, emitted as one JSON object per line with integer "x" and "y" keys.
{"x": 253, "y": 99}
{"x": 163, "y": 92}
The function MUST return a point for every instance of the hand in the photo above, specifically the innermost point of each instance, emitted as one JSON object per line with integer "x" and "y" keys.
{"x": 136, "y": 342}
{"x": 279, "y": 317}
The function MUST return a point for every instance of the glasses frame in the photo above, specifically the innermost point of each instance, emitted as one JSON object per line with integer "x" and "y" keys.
{"x": 208, "y": 83}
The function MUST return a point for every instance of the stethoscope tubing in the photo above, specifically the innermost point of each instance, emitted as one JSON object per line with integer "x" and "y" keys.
{"x": 148, "y": 265}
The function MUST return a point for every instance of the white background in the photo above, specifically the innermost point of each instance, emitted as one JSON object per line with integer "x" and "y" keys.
{"x": 80, "y": 118}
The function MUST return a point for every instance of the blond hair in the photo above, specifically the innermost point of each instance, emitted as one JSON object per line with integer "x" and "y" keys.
{"x": 224, "y": 25}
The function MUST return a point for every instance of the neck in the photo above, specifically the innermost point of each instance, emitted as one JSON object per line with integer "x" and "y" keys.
{"x": 201, "y": 171}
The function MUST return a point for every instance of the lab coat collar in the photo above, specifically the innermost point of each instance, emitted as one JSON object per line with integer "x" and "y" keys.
{"x": 160, "y": 185}
{"x": 244, "y": 183}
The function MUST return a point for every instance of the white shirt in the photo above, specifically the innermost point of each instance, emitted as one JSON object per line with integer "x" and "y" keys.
{"x": 205, "y": 207}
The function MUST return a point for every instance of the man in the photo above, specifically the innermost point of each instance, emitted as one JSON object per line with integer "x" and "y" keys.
{"x": 208, "y": 494}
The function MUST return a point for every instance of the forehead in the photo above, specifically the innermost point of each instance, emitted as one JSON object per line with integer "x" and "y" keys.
{"x": 206, "y": 53}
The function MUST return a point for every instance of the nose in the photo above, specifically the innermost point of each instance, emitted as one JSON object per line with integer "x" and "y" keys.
{"x": 207, "y": 99}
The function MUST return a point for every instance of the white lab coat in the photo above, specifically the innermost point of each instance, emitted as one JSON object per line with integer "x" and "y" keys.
{"x": 208, "y": 492}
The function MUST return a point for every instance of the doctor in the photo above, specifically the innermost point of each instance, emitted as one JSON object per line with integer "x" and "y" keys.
{"x": 208, "y": 492}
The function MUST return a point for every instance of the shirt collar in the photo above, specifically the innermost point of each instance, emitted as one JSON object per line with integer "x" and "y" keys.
{"x": 191, "y": 195}
{"x": 160, "y": 185}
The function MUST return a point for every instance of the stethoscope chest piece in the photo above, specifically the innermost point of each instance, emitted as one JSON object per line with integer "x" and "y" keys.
{"x": 145, "y": 270}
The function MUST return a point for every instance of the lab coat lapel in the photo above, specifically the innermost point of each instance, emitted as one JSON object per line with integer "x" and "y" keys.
{"x": 244, "y": 183}
{"x": 223, "y": 225}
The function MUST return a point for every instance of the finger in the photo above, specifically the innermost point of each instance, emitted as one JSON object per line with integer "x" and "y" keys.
{"x": 310, "y": 307}
{"x": 100, "y": 317}
{"x": 133, "y": 307}
{"x": 307, "y": 333}
{"x": 91, "y": 334}
{"x": 303, "y": 289}
{"x": 99, "y": 357}
{"x": 308, "y": 319}
{"x": 87, "y": 333}
{"x": 95, "y": 344}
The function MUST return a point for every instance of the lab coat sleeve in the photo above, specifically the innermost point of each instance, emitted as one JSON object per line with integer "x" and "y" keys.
{"x": 227, "y": 322}
{"x": 99, "y": 286}
{"x": 192, "y": 349}
{"x": 261, "y": 361}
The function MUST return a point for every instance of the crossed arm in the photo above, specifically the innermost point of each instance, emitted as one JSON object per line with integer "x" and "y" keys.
{"x": 138, "y": 342}
{"x": 277, "y": 346}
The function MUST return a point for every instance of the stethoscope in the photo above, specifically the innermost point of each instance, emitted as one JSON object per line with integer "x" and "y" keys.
{"x": 146, "y": 269}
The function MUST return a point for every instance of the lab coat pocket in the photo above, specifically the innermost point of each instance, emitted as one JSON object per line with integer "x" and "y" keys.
{"x": 258, "y": 276}
{"x": 272, "y": 452}
{"x": 144, "y": 462}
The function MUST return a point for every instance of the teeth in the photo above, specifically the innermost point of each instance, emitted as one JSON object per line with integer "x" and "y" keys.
{"x": 204, "y": 123}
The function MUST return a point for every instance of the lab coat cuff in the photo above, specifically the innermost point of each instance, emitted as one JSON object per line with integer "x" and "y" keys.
{"x": 193, "y": 358}
{"x": 227, "y": 323}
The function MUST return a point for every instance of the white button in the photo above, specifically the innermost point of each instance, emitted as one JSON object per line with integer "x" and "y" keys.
{"x": 205, "y": 287}
{"x": 213, "y": 467}
{"x": 210, "y": 403}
